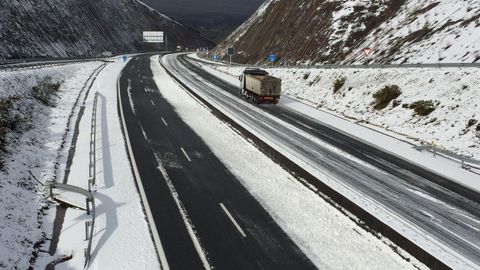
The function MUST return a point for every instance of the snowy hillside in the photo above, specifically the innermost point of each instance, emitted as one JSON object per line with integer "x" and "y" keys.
{"x": 31, "y": 134}
{"x": 337, "y": 31}
{"x": 439, "y": 106}
{"x": 69, "y": 28}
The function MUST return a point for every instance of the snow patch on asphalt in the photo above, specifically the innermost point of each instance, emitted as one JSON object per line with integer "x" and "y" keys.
{"x": 329, "y": 238}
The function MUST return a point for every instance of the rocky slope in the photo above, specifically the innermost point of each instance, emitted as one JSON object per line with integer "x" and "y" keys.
{"x": 215, "y": 19}
{"x": 71, "y": 28}
{"x": 337, "y": 31}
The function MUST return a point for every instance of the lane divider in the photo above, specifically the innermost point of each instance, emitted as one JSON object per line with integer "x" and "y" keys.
{"x": 164, "y": 122}
{"x": 365, "y": 220}
{"x": 186, "y": 220}
{"x": 185, "y": 154}
{"x": 235, "y": 223}
{"x": 148, "y": 212}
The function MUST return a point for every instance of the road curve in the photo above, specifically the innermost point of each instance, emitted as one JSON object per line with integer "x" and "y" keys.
{"x": 438, "y": 210}
{"x": 204, "y": 216}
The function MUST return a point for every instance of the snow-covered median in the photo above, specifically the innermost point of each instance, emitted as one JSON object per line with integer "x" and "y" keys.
{"x": 329, "y": 238}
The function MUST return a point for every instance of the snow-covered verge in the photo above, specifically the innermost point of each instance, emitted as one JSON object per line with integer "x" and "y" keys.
{"x": 329, "y": 238}
{"x": 32, "y": 142}
{"x": 454, "y": 92}
{"x": 121, "y": 237}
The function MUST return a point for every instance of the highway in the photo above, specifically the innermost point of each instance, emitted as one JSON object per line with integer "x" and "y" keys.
{"x": 205, "y": 218}
{"x": 434, "y": 207}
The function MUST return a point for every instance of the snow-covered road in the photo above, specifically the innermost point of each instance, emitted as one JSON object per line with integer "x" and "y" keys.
{"x": 415, "y": 203}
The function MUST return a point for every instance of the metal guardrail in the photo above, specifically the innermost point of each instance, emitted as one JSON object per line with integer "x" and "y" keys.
{"x": 89, "y": 193}
{"x": 47, "y": 63}
{"x": 467, "y": 163}
{"x": 332, "y": 66}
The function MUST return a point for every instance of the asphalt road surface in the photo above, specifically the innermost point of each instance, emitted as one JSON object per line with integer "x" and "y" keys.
{"x": 204, "y": 216}
{"x": 430, "y": 203}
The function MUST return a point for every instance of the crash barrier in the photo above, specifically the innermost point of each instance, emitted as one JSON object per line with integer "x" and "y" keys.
{"x": 339, "y": 66}
{"x": 89, "y": 193}
{"x": 466, "y": 162}
{"x": 50, "y": 63}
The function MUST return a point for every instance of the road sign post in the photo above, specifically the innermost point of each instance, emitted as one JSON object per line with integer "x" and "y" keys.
{"x": 231, "y": 52}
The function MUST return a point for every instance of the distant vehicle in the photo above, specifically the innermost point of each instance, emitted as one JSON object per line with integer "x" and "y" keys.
{"x": 179, "y": 48}
{"x": 257, "y": 85}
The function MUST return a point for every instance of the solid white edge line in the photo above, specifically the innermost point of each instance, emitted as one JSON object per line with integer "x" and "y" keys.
{"x": 184, "y": 214}
{"x": 164, "y": 122}
{"x": 153, "y": 228}
{"x": 186, "y": 155}
{"x": 153, "y": 103}
{"x": 233, "y": 220}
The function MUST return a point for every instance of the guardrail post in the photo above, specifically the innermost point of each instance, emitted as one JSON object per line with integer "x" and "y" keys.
{"x": 88, "y": 205}
{"x": 87, "y": 227}
{"x": 49, "y": 185}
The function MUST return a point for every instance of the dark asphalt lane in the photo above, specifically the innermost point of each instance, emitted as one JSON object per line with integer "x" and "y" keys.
{"x": 443, "y": 209}
{"x": 203, "y": 185}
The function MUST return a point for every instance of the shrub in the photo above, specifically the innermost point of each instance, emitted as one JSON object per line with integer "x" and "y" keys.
{"x": 306, "y": 76}
{"x": 423, "y": 107}
{"x": 8, "y": 122}
{"x": 471, "y": 122}
{"x": 338, "y": 84}
{"x": 384, "y": 96}
{"x": 396, "y": 103}
{"x": 45, "y": 89}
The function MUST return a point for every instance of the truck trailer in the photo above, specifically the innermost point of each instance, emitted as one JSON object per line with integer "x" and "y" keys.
{"x": 259, "y": 87}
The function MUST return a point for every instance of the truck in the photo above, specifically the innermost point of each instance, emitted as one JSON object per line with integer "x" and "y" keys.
{"x": 259, "y": 87}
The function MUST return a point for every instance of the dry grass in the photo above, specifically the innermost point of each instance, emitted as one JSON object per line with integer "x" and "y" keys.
{"x": 384, "y": 96}
{"x": 423, "y": 107}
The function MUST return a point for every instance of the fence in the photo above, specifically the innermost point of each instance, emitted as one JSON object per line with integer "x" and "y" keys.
{"x": 466, "y": 162}
{"x": 89, "y": 194}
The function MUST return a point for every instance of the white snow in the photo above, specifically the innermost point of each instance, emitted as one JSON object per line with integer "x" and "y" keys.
{"x": 456, "y": 89}
{"x": 121, "y": 237}
{"x": 428, "y": 31}
{"x": 451, "y": 42}
{"x": 34, "y": 148}
{"x": 407, "y": 229}
{"x": 330, "y": 239}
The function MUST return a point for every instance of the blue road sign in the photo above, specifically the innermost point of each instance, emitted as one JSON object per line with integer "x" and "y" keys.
{"x": 272, "y": 58}
{"x": 125, "y": 58}
{"x": 215, "y": 58}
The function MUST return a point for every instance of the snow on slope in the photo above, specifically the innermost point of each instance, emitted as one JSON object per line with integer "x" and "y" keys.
{"x": 58, "y": 28}
{"x": 33, "y": 147}
{"x": 449, "y": 126}
{"x": 337, "y": 31}
{"x": 437, "y": 31}
{"x": 121, "y": 235}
